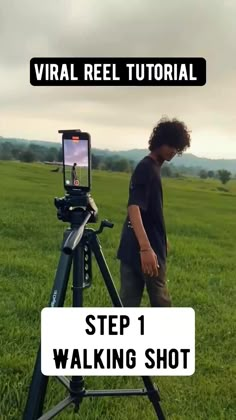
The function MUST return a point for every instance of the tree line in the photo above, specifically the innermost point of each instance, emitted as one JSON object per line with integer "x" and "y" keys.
{"x": 28, "y": 153}
{"x": 222, "y": 174}
{"x": 39, "y": 153}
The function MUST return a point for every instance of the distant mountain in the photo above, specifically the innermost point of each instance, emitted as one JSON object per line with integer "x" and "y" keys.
{"x": 187, "y": 160}
{"x": 210, "y": 164}
{"x": 25, "y": 142}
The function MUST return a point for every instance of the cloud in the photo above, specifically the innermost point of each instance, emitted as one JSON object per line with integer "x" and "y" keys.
{"x": 111, "y": 28}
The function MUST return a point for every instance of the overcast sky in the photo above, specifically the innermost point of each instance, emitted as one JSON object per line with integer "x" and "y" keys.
{"x": 119, "y": 117}
{"x": 76, "y": 153}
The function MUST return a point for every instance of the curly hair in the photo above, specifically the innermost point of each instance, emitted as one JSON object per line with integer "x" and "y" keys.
{"x": 173, "y": 133}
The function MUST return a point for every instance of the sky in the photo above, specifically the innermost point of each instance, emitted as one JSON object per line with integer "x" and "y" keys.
{"x": 76, "y": 152}
{"x": 119, "y": 118}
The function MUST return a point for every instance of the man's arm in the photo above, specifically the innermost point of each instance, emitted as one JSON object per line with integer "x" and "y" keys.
{"x": 137, "y": 223}
{"x": 148, "y": 257}
{"x": 139, "y": 192}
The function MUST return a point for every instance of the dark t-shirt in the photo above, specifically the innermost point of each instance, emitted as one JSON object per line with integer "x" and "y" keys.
{"x": 145, "y": 191}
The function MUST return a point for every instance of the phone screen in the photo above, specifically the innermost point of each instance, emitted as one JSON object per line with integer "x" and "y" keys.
{"x": 76, "y": 161}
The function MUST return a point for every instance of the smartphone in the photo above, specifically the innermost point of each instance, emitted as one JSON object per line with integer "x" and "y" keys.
{"x": 76, "y": 147}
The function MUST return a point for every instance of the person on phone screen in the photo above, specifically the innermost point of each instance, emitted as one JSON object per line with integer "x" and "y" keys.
{"x": 74, "y": 179}
{"x": 143, "y": 244}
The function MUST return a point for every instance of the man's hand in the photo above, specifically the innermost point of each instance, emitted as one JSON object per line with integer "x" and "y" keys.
{"x": 149, "y": 262}
{"x": 148, "y": 257}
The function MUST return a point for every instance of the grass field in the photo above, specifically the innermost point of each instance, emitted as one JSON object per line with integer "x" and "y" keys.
{"x": 82, "y": 176}
{"x": 201, "y": 223}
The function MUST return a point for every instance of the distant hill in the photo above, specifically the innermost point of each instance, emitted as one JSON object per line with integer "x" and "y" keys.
{"x": 25, "y": 142}
{"x": 210, "y": 164}
{"x": 187, "y": 160}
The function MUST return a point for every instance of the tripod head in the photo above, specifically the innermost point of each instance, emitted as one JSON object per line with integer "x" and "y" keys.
{"x": 78, "y": 210}
{"x": 73, "y": 207}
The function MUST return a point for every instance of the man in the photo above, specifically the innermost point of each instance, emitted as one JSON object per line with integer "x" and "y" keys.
{"x": 143, "y": 245}
{"x": 73, "y": 174}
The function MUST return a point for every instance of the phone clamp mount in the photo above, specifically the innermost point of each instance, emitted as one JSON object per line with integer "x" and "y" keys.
{"x": 72, "y": 208}
{"x": 78, "y": 245}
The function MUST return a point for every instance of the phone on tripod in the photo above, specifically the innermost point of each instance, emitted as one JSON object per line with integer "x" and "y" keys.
{"x": 76, "y": 151}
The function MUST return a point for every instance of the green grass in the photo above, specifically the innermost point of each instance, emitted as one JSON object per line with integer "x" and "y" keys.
{"x": 82, "y": 175}
{"x": 201, "y": 225}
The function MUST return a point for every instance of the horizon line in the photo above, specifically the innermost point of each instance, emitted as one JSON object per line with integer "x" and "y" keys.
{"x": 115, "y": 150}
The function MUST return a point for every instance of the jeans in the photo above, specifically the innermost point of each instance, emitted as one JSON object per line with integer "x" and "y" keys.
{"x": 132, "y": 286}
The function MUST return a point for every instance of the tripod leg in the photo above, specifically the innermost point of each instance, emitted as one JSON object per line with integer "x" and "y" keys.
{"x": 78, "y": 276}
{"x": 153, "y": 395}
{"x": 97, "y": 250}
{"x": 77, "y": 382}
{"x": 38, "y": 387}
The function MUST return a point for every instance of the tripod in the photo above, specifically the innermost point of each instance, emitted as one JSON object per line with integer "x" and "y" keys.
{"x": 79, "y": 243}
